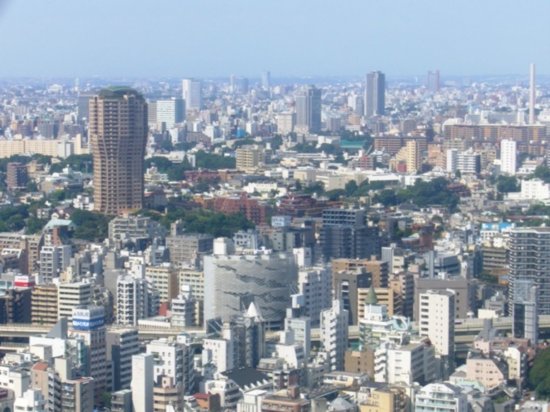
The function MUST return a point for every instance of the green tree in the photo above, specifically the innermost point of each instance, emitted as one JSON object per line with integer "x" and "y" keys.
{"x": 507, "y": 184}
{"x": 543, "y": 173}
{"x": 91, "y": 226}
{"x": 351, "y": 188}
{"x": 539, "y": 378}
{"x": 213, "y": 161}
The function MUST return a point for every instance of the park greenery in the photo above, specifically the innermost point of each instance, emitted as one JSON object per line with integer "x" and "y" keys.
{"x": 90, "y": 226}
{"x": 507, "y": 184}
{"x": 199, "y": 220}
{"x": 421, "y": 194}
{"x": 539, "y": 378}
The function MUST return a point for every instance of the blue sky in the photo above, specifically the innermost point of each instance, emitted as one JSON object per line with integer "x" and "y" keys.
{"x": 289, "y": 37}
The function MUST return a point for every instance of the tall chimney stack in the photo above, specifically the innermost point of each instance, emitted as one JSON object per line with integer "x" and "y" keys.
{"x": 532, "y": 93}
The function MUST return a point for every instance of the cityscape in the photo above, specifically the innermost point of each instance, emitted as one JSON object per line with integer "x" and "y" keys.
{"x": 255, "y": 240}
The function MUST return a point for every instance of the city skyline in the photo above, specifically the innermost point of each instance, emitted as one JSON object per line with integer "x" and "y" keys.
{"x": 208, "y": 33}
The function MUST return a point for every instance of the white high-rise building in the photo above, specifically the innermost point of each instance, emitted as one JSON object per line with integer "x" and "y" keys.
{"x": 315, "y": 285}
{"x": 334, "y": 334}
{"x": 508, "y": 157}
{"x": 53, "y": 261}
{"x": 72, "y": 295}
{"x": 142, "y": 382}
{"x": 192, "y": 94}
{"x": 136, "y": 299}
{"x": 436, "y": 320}
{"x": 452, "y": 160}
{"x": 183, "y": 308}
{"x": 89, "y": 324}
{"x": 443, "y": 397}
{"x": 170, "y": 112}
{"x": 173, "y": 359}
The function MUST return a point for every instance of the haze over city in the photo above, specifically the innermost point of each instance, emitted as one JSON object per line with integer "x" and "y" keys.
{"x": 212, "y": 38}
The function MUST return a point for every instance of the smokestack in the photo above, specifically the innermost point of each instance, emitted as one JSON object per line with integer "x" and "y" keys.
{"x": 532, "y": 94}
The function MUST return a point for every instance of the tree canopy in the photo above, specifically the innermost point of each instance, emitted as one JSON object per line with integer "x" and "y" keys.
{"x": 539, "y": 378}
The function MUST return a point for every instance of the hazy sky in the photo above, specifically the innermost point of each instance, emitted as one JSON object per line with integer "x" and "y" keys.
{"x": 289, "y": 37}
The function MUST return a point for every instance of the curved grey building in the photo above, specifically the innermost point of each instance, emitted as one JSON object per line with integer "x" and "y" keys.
{"x": 233, "y": 281}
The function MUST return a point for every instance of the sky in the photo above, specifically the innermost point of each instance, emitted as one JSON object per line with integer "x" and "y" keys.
{"x": 215, "y": 38}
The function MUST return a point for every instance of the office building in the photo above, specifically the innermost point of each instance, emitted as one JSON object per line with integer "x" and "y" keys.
{"x": 245, "y": 333}
{"x": 375, "y": 94}
{"x": 72, "y": 295}
{"x": 446, "y": 396}
{"x": 266, "y": 80}
{"x": 165, "y": 280}
{"x": 122, "y": 344}
{"x": 308, "y": 110}
{"x": 286, "y": 123}
{"x": 334, "y": 334}
{"x": 121, "y": 401}
{"x": 183, "y": 308}
{"x": 468, "y": 162}
{"x": 16, "y": 176}
{"x": 345, "y": 234}
{"x": 44, "y": 305}
{"x": 529, "y": 248}
{"x": 53, "y": 261}
{"x": 89, "y": 324}
{"x": 170, "y": 112}
{"x": 524, "y": 311}
{"x": 135, "y": 299}
{"x": 188, "y": 248}
{"x": 346, "y": 286}
{"x": 314, "y": 285}
{"x": 66, "y": 389}
{"x": 118, "y": 134}
{"x": 192, "y": 94}
{"x": 508, "y": 157}
{"x": 248, "y": 158}
{"x": 173, "y": 359}
{"x": 433, "y": 81}
{"x": 142, "y": 382}
{"x": 236, "y": 280}
{"x": 532, "y": 93}
{"x": 436, "y": 321}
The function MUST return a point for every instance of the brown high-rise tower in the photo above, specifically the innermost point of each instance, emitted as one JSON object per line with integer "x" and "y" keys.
{"x": 118, "y": 135}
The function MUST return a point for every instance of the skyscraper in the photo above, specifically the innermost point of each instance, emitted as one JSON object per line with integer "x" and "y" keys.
{"x": 170, "y": 112}
{"x": 266, "y": 80}
{"x": 118, "y": 134}
{"x": 375, "y": 94}
{"x": 192, "y": 94}
{"x": 529, "y": 248}
{"x": 508, "y": 157}
{"x": 532, "y": 93}
{"x": 436, "y": 319}
{"x": 433, "y": 81}
{"x": 524, "y": 310}
{"x": 334, "y": 334}
{"x": 308, "y": 109}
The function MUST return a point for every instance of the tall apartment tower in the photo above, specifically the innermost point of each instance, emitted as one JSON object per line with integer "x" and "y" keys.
{"x": 17, "y": 176}
{"x": 192, "y": 94}
{"x": 345, "y": 234}
{"x": 308, "y": 109}
{"x": 532, "y": 93}
{"x": 529, "y": 248}
{"x": 433, "y": 81}
{"x": 89, "y": 323}
{"x": 375, "y": 94}
{"x": 118, "y": 135}
{"x": 524, "y": 311}
{"x": 334, "y": 334}
{"x": 508, "y": 157}
{"x": 142, "y": 382}
{"x": 436, "y": 319}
